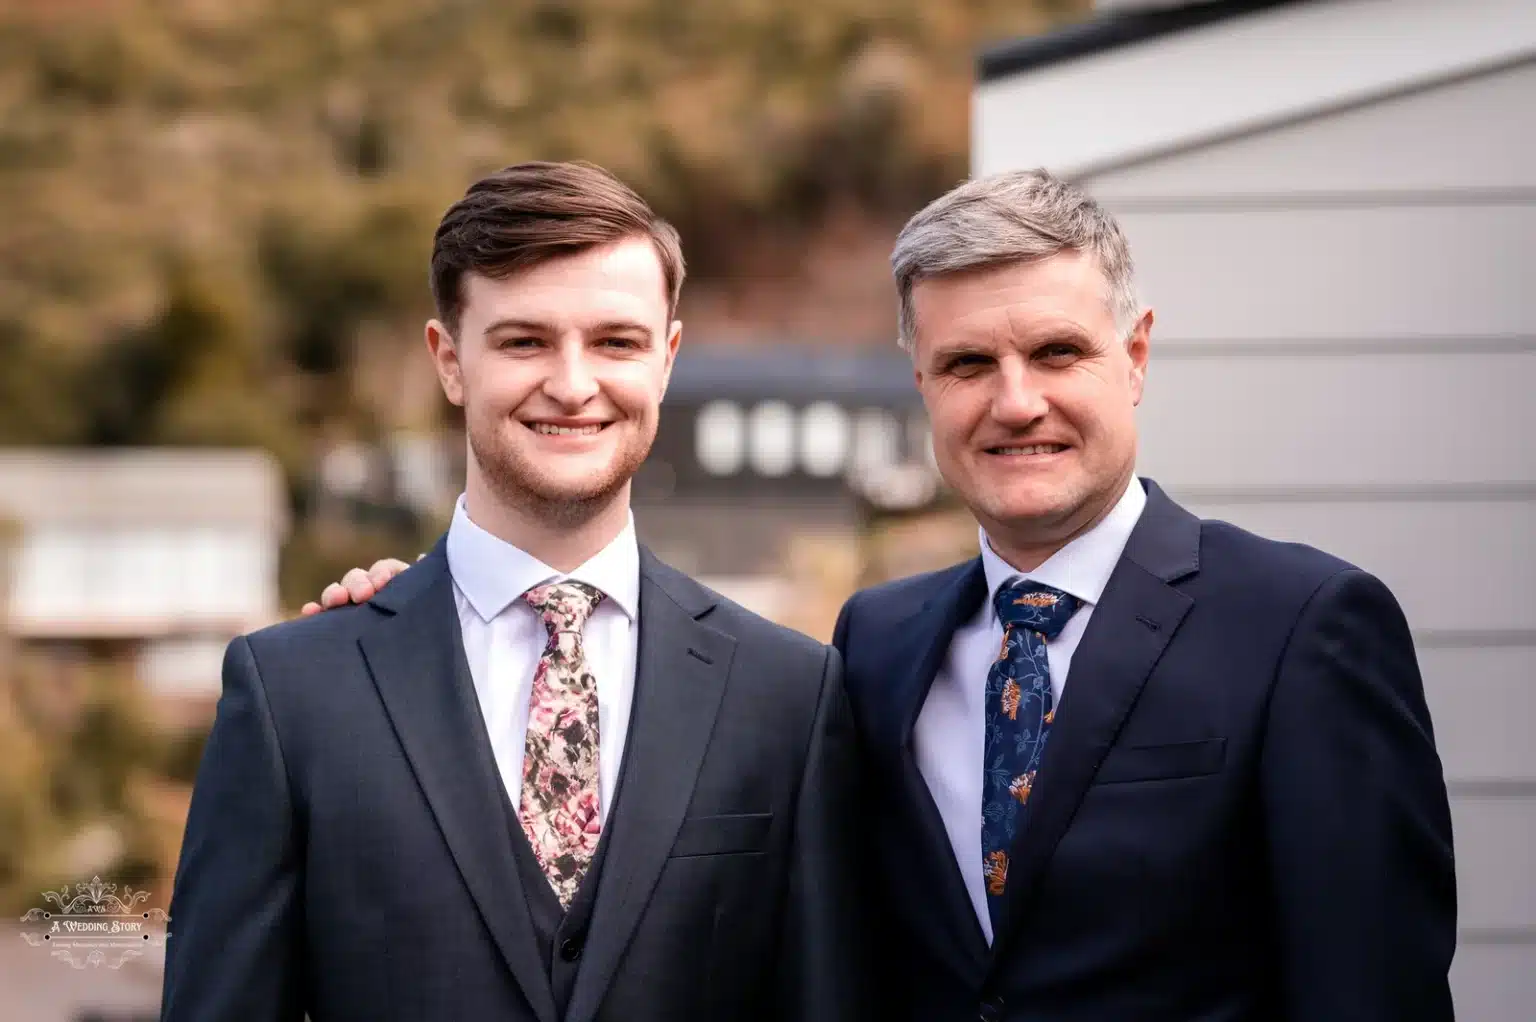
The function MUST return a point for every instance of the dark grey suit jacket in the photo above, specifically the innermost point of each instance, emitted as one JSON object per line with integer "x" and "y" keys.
{"x": 347, "y": 854}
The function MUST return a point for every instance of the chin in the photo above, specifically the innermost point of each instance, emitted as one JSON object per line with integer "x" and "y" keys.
{"x": 1032, "y": 505}
{"x": 575, "y": 488}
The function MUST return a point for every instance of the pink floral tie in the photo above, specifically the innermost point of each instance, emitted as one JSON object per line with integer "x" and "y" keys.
{"x": 559, "y": 804}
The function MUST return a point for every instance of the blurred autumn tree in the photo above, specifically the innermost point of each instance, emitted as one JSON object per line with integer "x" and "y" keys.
{"x": 215, "y": 215}
{"x": 215, "y": 218}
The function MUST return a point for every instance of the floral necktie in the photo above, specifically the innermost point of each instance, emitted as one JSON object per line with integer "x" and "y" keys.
{"x": 559, "y": 804}
{"x": 1019, "y": 710}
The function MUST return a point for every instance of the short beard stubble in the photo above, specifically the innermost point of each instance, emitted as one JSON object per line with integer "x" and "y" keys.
{"x": 520, "y": 487}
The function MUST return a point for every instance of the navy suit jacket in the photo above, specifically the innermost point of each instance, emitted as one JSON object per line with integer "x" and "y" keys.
{"x": 348, "y": 856}
{"x": 1240, "y": 814}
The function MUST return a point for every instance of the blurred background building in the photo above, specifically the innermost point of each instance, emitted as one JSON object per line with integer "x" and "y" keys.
{"x": 213, "y": 399}
{"x": 154, "y": 558}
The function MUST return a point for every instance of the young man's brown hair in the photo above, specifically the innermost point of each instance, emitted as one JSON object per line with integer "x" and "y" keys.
{"x": 528, "y": 213}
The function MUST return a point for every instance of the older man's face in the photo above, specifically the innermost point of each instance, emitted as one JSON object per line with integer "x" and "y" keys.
{"x": 1031, "y": 392}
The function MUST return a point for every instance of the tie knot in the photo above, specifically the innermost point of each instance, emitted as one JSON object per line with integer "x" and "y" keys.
{"x": 1036, "y": 606}
{"x": 564, "y": 606}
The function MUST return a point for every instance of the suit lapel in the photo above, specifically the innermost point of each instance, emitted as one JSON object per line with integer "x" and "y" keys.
{"x": 679, "y": 682}
{"x": 1131, "y": 626}
{"x": 919, "y": 647}
{"x": 416, "y": 656}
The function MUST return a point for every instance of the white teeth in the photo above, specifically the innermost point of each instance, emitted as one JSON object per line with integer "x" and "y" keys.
{"x": 1035, "y": 449}
{"x": 549, "y": 430}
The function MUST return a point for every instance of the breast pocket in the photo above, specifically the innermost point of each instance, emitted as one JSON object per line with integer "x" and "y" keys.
{"x": 1126, "y": 764}
{"x": 722, "y": 835}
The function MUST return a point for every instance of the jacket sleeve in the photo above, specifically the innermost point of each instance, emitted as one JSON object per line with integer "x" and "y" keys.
{"x": 823, "y": 968}
{"x": 1359, "y": 825}
{"x": 236, "y": 928}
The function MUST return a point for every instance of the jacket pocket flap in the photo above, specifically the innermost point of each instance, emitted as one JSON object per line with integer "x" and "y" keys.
{"x": 1162, "y": 762}
{"x": 721, "y": 835}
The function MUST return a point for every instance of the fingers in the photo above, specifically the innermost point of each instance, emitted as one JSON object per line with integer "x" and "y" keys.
{"x": 358, "y": 586}
{"x": 354, "y": 587}
{"x": 384, "y": 570}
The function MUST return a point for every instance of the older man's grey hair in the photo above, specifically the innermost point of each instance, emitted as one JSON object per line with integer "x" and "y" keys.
{"x": 1016, "y": 216}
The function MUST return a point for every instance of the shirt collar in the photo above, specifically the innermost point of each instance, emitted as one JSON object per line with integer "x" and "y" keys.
{"x": 492, "y": 573}
{"x": 1082, "y": 567}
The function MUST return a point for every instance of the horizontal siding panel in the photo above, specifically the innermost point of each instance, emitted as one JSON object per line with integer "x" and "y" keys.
{"x": 1421, "y": 550}
{"x": 1469, "y": 134}
{"x": 1361, "y": 420}
{"x": 1494, "y": 983}
{"x": 1225, "y": 276}
{"x": 1126, "y": 102}
{"x": 1483, "y": 703}
{"x": 1495, "y": 847}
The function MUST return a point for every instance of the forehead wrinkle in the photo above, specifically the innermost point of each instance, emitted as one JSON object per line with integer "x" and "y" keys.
{"x": 1052, "y": 325}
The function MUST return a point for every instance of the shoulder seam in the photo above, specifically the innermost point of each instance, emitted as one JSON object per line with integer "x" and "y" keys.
{"x": 1290, "y": 636}
{"x": 266, "y": 706}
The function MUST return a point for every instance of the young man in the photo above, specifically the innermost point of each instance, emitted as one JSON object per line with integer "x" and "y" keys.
{"x": 543, "y": 776}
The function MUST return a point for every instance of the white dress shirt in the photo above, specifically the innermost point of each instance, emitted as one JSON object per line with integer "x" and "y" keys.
{"x": 504, "y": 638}
{"x": 949, "y": 736}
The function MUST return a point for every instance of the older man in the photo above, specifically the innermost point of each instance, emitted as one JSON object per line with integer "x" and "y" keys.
{"x": 1131, "y": 764}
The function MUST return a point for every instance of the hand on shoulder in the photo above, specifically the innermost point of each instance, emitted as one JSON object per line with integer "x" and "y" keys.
{"x": 358, "y": 585}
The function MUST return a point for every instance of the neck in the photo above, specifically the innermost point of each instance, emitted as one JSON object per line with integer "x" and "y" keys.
{"x": 1025, "y": 549}
{"x": 560, "y": 541}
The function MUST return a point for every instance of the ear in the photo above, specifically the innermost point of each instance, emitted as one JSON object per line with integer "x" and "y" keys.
{"x": 674, "y": 338}
{"x": 1139, "y": 346}
{"x": 445, "y": 359}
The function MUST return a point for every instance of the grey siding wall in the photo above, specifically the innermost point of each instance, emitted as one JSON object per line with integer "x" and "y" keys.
{"x": 1345, "y": 355}
{"x": 1455, "y": 134}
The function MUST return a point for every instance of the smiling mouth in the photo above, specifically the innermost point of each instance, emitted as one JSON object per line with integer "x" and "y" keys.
{"x": 1032, "y": 449}
{"x": 548, "y": 429}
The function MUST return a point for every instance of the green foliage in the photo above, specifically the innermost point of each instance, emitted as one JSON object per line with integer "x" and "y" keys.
{"x": 74, "y": 743}
{"x": 34, "y": 378}
{"x": 318, "y": 556}
{"x": 182, "y": 755}
{"x": 26, "y": 816}
{"x": 218, "y": 215}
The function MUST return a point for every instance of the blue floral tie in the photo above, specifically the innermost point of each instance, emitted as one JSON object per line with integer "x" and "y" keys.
{"x": 1019, "y": 708}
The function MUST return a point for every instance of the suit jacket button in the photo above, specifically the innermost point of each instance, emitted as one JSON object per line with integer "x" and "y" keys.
{"x": 991, "y": 1010}
{"x": 570, "y": 949}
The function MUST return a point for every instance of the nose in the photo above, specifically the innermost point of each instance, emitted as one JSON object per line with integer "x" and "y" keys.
{"x": 571, "y": 382}
{"x": 1019, "y": 399}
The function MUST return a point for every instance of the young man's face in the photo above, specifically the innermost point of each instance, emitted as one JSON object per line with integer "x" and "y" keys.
{"x": 561, "y": 370}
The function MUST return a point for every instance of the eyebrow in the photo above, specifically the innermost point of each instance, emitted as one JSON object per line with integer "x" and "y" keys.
{"x": 1053, "y": 335}
{"x": 511, "y": 323}
{"x": 960, "y": 348}
{"x": 533, "y": 326}
{"x": 609, "y": 326}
